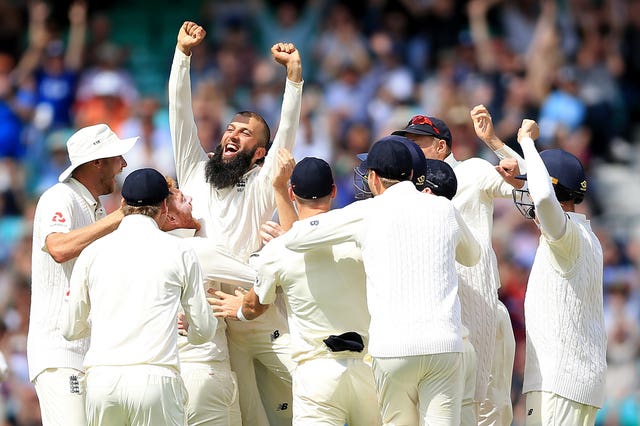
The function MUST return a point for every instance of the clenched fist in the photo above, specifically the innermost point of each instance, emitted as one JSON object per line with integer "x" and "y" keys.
{"x": 189, "y": 36}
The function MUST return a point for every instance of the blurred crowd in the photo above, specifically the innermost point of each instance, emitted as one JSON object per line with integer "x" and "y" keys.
{"x": 369, "y": 65}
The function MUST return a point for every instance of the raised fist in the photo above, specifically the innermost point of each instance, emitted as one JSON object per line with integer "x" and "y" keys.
{"x": 189, "y": 36}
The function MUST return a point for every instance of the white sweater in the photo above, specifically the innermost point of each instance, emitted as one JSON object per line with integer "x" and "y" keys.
{"x": 566, "y": 339}
{"x": 478, "y": 185}
{"x": 410, "y": 242}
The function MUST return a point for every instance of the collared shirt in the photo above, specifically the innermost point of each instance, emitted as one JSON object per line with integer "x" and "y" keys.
{"x": 62, "y": 208}
{"x": 131, "y": 284}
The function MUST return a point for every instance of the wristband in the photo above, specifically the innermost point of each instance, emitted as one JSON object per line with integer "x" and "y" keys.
{"x": 240, "y": 316}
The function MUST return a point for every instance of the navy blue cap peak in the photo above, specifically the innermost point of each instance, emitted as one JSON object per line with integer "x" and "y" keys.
{"x": 391, "y": 158}
{"x": 312, "y": 178}
{"x": 144, "y": 187}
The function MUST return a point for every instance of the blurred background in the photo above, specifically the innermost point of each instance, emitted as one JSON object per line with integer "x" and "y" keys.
{"x": 572, "y": 65}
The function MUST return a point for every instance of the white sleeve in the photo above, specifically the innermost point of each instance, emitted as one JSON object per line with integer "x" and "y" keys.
{"x": 219, "y": 265}
{"x": 551, "y": 217}
{"x": 333, "y": 227}
{"x": 76, "y": 305}
{"x": 287, "y": 128}
{"x": 187, "y": 151}
{"x": 202, "y": 323}
{"x": 507, "y": 152}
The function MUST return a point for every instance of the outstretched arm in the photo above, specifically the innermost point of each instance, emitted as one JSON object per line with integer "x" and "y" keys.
{"x": 187, "y": 151}
{"x": 549, "y": 212}
{"x": 287, "y": 55}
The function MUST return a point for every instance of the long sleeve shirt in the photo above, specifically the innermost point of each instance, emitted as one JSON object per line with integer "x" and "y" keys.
{"x": 566, "y": 339}
{"x": 230, "y": 215}
{"x": 62, "y": 208}
{"x": 410, "y": 242}
{"x": 324, "y": 290}
{"x": 131, "y": 284}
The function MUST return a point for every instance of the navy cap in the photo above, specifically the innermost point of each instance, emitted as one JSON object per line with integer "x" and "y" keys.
{"x": 312, "y": 178}
{"x": 440, "y": 178}
{"x": 431, "y": 126}
{"x": 566, "y": 171}
{"x": 390, "y": 158}
{"x": 145, "y": 187}
{"x": 418, "y": 161}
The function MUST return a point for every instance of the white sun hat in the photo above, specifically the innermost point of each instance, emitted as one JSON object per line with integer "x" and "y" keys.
{"x": 92, "y": 143}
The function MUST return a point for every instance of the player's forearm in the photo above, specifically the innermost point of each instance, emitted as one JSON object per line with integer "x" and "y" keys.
{"x": 505, "y": 151}
{"x": 64, "y": 246}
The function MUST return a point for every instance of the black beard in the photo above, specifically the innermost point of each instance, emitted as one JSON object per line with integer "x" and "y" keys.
{"x": 223, "y": 174}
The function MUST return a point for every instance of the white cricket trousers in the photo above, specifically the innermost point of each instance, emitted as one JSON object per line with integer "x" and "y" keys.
{"x": 213, "y": 393}
{"x": 260, "y": 354}
{"x": 61, "y": 394}
{"x": 469, "y": 411}
{"x": 138, "y": 395}
{"x": 334, "y": 391}
{"x": 550, "y": 409}
{"x": 496, "y": 409}
{"x": 423, "y": 389}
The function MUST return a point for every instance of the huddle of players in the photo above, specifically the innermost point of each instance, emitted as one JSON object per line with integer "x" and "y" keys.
{"x": 406, "y": 277}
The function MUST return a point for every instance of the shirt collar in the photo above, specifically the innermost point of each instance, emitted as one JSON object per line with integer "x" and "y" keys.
{"x": 451, "y": 160}
{"x": 85, "y": 194}
{"x": 137, "y": 220}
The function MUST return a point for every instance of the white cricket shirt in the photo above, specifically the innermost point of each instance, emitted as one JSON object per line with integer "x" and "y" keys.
{"x": 324, "y": 290}
{"x": 62, "y": 208}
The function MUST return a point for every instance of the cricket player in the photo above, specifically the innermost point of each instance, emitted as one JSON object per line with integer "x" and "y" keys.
{"x": 410, "y": 242}
{"x": 125, "y": 292}
{"x": 479, "y": 183}
{"x": 331, "y": 383}
{"x": 68, "y": 217}
{"x": 233, "y": 196}
{"x": 565, "y": 364}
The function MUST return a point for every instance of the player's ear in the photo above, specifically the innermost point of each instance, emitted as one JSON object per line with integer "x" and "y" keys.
{"x": 334, "y": 190}
{"x": 292, "y": 196}
{"x": 260, "y": 153}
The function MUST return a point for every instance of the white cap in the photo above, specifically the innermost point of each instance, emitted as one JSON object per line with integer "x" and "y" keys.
{"x": 92, "y": 143}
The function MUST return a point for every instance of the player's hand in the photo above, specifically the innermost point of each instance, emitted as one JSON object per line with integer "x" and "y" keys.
{"x": 183, "y": 324}
{"x": 509, "y": 169}
{"x": 286, "y": 54}
{"x": 482, "y": 122}
{"x": 189, "y": 36}
{"x": 284, "y": 168}
{"x": 528, "y": 129}
{"x": 225, "y": 305}
{"x": 270, "y": 230}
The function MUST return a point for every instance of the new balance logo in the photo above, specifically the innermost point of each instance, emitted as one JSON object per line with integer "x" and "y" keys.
{"x": 530, "y": 412}
{"x": 74, "y": 385}
{"x": 282, "y": 407}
